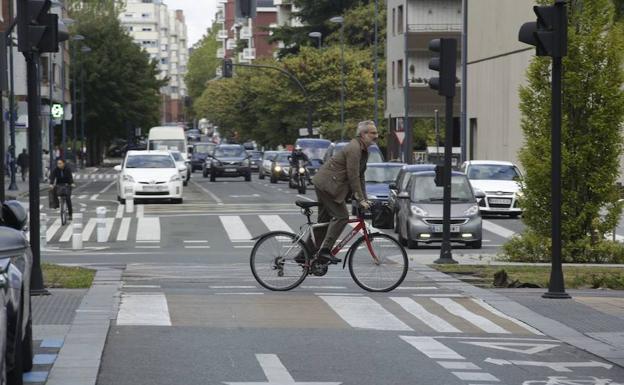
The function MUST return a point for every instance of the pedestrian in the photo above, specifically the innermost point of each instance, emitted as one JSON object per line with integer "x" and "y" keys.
{"x": 22, "y": 162}
{"x": 45, "y": 163}
{"x": 342, "y": 176}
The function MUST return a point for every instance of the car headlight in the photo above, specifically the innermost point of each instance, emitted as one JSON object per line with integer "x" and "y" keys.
{"x": 175, "y": 178}
{"x": 419, "y": 211}
{"x": 127, "y": 178}
{"x": 472, "y": 210}
{"x": 301, "y": 170}
{"x": 278, "y": 168}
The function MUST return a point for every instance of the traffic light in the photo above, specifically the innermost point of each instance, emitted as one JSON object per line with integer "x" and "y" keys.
{"x": 439, "y": 175}
{"x": 549, "y": 34}
{"x": 228, "y": 68}
{"x": 445, "y": 64}
{"x": 245, "y": 9}
{"x": 37, "y": 29}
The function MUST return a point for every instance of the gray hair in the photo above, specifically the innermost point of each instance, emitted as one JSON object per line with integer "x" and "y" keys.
{"x": 363, "y": 127}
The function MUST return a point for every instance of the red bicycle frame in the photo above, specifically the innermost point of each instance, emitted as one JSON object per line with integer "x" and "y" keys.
{"x": 361, "y": 226}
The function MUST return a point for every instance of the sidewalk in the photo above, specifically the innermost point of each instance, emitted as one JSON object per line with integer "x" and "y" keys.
{"x": 22, "y": 188}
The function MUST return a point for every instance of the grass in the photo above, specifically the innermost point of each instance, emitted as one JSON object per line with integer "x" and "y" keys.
{"x": 575, "y": 277}
{"x": 67, "y": 277}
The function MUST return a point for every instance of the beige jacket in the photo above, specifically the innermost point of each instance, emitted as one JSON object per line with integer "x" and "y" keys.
{"x": 343, "y": 174}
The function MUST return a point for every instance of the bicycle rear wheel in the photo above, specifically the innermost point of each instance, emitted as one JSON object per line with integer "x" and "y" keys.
{"x": 384, "y": 273}
{"x": 273, "y": 262}
{"x": 63, "y": 211}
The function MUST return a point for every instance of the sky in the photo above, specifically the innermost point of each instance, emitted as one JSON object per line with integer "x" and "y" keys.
{"x": 199, "y": 15}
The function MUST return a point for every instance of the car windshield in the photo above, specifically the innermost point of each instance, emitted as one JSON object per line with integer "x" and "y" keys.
{"x": 493, "y": 172}
{"x": 256, "y": 155}
{"x": 193, "y": 132}
{"x": 314, "y": 149}
{"x": 150, "y": 161}
{"x": 378, "y": 174}
{"x": 167, "y": 145}
{"x": 229, "y": 152}
{"x": 203, "y": 148}
{"x": 282, "y": 157}
{"x": 269, "y": 155}
{"x": 425, "y": 190}
{"x": 177, "y": 156}
{"x": 374, "y": 155}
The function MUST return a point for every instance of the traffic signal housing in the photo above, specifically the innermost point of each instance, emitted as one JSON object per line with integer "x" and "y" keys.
{"x": 228, "y": 68}
{"x": 245, "y": 9}
{"x": 549, "y": 34}
{"x": 445, "y": 64}
{"x": 38, "y": 30}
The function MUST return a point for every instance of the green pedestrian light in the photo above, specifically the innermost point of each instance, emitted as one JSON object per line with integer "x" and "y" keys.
{"x": 57, "y": 111}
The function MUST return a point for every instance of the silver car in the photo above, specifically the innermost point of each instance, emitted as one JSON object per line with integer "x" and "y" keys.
{"x": 420, "y": 212}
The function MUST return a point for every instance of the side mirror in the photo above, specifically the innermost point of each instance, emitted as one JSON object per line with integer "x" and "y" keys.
{"x": 181, "y": 168}
{"x": 479, "y": 194}
{"x": 117, "y": 168}
{"x": 403, "y": 195}
{"x": 392, "y": 186}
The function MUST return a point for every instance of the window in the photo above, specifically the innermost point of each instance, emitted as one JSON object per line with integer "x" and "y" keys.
{"x": 400, "y": 73}
{"x": 393, "y": 21}
{"x": 473, "y": 138}
{"x": 130, "y": 15}
{"x": 400, "y": 19}
{"x": 393, "y": 74}
{"x": 146, "y": 29}
{"x": 145, "y": 15}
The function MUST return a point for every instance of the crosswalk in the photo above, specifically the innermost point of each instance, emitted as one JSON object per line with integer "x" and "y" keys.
{"x": 95, "y": 177}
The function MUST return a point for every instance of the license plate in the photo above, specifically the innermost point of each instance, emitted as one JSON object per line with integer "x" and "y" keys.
{"x": 154, "y": 188}
{"x": 439, "y": 228}
{"x": 230, "y": 170}
{"x": 498, "y": 201}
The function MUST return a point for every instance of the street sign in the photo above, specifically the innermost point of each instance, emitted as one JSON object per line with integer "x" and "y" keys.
{"x": 57, "y": 111}
{"x": 304, "y": 131}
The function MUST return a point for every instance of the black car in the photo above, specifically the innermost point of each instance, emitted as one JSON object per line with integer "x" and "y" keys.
{"x": 199, "y": 155}
{"x": 16, "y": 343}
{"x": 193, "y": 135}
{"x": 280, "y": 167}
{"x": 230, "y": 160}
{"x": 255, "y": 160}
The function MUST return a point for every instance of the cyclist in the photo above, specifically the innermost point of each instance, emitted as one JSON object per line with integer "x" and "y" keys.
{"x": 340, "y": 177}
{"x": 62, "y": 176}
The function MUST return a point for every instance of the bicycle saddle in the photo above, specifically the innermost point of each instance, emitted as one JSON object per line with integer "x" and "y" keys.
{"x": 306, "y": 204}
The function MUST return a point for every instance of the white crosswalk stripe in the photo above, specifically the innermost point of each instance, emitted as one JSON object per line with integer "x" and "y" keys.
{"x": 481, "y": 322}
{"x": 364, "y": 313}
{"x": 417, "y": 310}
{"x": 275, "y": 223}
{"x": 148, "y": 229}
{"x": 124, "y": 228}
{"x": 235, "y": 228}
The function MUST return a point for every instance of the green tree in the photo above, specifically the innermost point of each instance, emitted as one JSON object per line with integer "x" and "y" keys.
{"x": 593, "y": 112}
{"x": 202, "y": 63}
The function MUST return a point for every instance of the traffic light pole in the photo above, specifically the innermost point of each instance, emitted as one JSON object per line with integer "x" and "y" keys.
{"x": 446, "y": 253}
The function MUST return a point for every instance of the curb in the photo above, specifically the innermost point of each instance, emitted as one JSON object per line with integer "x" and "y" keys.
{"x": 550, "y": 327}
{"x": 79, "y": 359}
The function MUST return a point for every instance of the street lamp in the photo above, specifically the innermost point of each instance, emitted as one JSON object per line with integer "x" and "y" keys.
{"x": 85, "y": 49}
{"x": 317, "y": 35}
{"x": 340, "y": 20}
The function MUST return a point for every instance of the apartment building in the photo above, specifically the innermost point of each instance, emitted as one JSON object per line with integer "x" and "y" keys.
{"x": 163, "y": 35}
{"x": 411, "y": 25}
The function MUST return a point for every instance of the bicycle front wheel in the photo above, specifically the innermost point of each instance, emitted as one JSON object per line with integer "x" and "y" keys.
{"x": 278, "y": 261}
{"x": 63, "y": 211}
{"x": 380, "y": 265}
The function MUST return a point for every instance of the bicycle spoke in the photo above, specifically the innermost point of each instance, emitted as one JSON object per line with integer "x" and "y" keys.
{"x": 273, "y": 261}
{"x": 385, "y": 272}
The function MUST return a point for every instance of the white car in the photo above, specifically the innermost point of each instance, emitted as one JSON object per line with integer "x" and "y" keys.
{"x": 499, "y": 181}
{"x": 149, "y": 175}
{"x": 181, "y": 163}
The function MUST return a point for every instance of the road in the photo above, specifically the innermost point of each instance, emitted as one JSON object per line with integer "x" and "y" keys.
{"x": 191, "y": 312}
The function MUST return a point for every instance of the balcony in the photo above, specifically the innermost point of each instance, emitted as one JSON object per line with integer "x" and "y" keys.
{"x": 220, "y": 19}
{"x": 245, "y": 33}
{"x": 419, "y": 35}
{"x": 220, "y": 53}
{"x": 241, "y": 58}
{"x": 249, "y": 53}
{"x": 230, "y": 44}
{"x": 222, "y": 34}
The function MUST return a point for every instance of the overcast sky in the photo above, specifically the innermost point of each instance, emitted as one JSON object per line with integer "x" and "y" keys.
{"x": 199, "y": 16}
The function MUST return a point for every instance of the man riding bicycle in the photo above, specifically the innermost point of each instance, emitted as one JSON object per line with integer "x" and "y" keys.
{"x": 340, "y": 177}
{"x": 62, "y": 176}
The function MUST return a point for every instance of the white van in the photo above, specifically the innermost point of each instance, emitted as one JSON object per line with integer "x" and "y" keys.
{"x": 168, "y": 138}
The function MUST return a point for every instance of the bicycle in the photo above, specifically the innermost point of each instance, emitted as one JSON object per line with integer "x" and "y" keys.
{"x": 62, "y": 191}
{"x": 377, "y": 261}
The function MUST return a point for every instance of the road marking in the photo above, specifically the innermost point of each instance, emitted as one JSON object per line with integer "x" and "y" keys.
{"x": 197, "y": 247}
{"x": 140, "y": 211}
{"x": 147, "y": 247}
{"x": 417, "y": 288}
{"x": 243, "y": 247}
{"x": 305, "y": 197}
{"x": 53, "y": 229}
{"x": 124, "y": 228}
{"x": 498, "y": 230}
{"x": 325, "y": 287}
{"x": 432, "y": 348}
{"x": 440, "y": 295}
{"x": 429, "y": 319}
{"x": 235, "y": 228}
{"x": 458, "y": 365}
{"x": 120, "y": 211}
{"x": 210, "y": 193}
{"x": 88, "y": 229}
{"x": 233, "y": 287}
{"x": 556, "y": 366}
{"x": 475, "y": 376}
{"x": 500, "y": 314}
{"x": 69, "y": 230}
{"x": 481, "y": 322}
{"x": 191, "y": 241}
{"x": 515, "y": 347}
{"x": 100, "y": 176}
{"x": 239, "y": 293}
{"x": 148, "y": 229}
{"x": 109, "y": 227}
{"x": 275, "y": 223}
{"x": 94, "y": 197}
{"x": 83, "y": 197}
{"x": 142, "y": 286}
{"x": 143, "y": 309}
{"x": 364, "y": 313}
{"x": 107, "y": 187}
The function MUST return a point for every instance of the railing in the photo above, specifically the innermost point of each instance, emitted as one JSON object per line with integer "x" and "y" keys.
{"x": 249, "y": 53}
{"x": 446, "y": 27}
{"x": 230, "y": 44}
{"x": 222, "y": 34}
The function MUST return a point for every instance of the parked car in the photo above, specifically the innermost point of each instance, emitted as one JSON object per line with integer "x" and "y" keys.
{"x": 193, "y": 135}
{"x": 400, "y": 185}
{"x": 266, "y": 163}
{"x": 184, "y": 166}
{"x": 230, "y": 160}
{"x": 16, "y": 336}
{"x": 500, "y": 181}
{"x": 255, "y": 160}
{"x": 199, "y": 155}
{"x": 378, "y": 178}
{"x": 149, "y": 175}
{"x": 374, "y": 152}
{"x": 420, "y": 211}
{"x": 280, "y": 167}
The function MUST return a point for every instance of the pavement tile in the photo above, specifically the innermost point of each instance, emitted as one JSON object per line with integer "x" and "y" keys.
{"x": 44, "y": 359}
{"x": 35, "y": 377}
{"x": 51, "y": 343}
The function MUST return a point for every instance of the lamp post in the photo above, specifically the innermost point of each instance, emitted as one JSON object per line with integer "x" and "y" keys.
{"x": 12, "y": 165}
{"x": 340, "y": 20}
{"x": 318, "y": 36}
{"x": 85, "y": 49}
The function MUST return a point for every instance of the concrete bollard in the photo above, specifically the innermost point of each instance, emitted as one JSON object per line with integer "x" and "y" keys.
{"x": 101, "y": 224}
{"x": 43, "y": 232}
{"x": 77, "y": 232}
{"x": 129, "y": 194}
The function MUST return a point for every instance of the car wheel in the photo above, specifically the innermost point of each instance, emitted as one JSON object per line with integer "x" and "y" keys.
{"x": 475, "y": 245}
{"x": 273, "y": 179}
{"x": 248, "y": 177}
{"x": 14, "y": 376}
{"x": 213, "y": 178}
{"x": 402, "y": 240}
{"x": 177, "y": 200}
{"x": 514, "y": 215}
{"x": 260, "y": 174}
{"x": 411, "y": 244}
{"x": 185, "y": 183}
{"x": 122, "y": 201}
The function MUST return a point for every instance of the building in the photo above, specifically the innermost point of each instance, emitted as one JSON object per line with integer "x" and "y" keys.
{"x": 162, "y": 34}
{"x": 411, "y": 24}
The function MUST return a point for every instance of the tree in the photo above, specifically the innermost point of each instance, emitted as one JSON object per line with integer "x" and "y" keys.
{"x": 593, "y": 112}
{"x": 202, "y": 63}
{"x": 121, "y": 83}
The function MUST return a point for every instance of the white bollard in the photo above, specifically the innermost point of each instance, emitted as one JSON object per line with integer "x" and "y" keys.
{"x": 77, "y": 232}
{"x": 129, "y": 194}
{"x": 101, "y": 224}
{"x": 43, "y": 230}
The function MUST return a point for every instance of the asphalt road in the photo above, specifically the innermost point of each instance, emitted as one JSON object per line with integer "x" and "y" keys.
{"x": 191, "y": 312}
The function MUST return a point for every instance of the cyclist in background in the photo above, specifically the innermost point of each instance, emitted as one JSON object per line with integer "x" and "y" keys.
{"x": 62, "y": 176}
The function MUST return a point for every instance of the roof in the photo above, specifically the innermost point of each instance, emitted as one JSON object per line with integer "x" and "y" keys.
{"x": 153, "y": 152}
{"x": 430, "y": 173}
{"x": 494, "y": 162}
{"x": 419, "y": 167}
{"x": 385, "y": 164}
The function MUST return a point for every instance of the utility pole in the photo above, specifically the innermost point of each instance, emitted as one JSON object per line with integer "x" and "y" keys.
{"x": 463, "y": 133}
{"x": 407, "y": 158}
{"x": 376, "y": 76}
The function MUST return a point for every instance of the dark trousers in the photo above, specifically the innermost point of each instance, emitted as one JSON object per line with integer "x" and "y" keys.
{"x": 24, "y": 172}
{"x": 334, "y": 213}
{"x": 69, "y": 203}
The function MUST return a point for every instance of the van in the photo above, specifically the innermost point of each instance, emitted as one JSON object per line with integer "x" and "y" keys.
{"x": 167, "y": 138}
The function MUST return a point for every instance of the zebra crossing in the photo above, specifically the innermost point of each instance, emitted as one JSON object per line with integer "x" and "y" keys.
{"x": 95, "y": 177}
